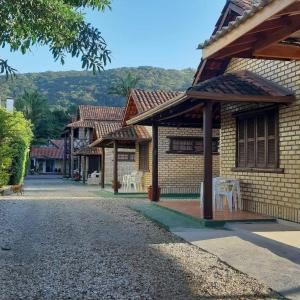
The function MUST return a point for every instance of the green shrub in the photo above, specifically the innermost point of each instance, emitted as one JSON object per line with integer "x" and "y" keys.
{"x": 15, "y": 138}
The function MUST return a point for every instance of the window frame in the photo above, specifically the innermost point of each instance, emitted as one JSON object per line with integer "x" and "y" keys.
{"x": 255, "y": 166}
{"x": 194, "y": 139}
{"x": 130, "y": 156}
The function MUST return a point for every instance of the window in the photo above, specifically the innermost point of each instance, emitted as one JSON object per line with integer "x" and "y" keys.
{"x": 257, "y": 140}
{"x": 190, "y": 145}
{"x": 144, "y": 157}
{"x": 126, "y": 156}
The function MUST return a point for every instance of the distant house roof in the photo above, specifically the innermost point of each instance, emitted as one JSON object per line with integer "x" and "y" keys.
{"x": 100, "y": 113}
{"x": 140, "y": 101}
{"x": 54, "y": 150}
{"x": 125, "y": 134}
{"x": 82, "y": 124}
{"x": 104, "y": 128}
{"x": 89, "y": 151}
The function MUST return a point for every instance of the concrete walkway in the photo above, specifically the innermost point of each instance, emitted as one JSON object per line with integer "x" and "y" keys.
{"x": 269, "y": 252}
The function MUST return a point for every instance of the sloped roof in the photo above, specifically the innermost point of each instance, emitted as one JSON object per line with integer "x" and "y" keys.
{"x": 89, "y": 151}
{"x": 104, "y": 128}
{"x": 209, "y": 68}
{"x": 241, "y": 83}
{"x": 242, "y": 86}
{"x": 126, "y": 134}
{"x": 146, "y": 99}
{"x": 82, "y": 124}
{"x": 100, "y": 113}
{"x": 129, "y": 133}
{"x": 249, "y": 12}
{"x": 56, "y": 151}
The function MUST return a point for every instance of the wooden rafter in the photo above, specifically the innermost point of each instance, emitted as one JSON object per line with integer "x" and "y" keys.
{"x": 279, "y": 51}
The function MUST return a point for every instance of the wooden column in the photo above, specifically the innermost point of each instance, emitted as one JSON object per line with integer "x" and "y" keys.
{"x": 72, "y": 152}
{"x": 115, "y": 180}
{"x": 103, "y": 168}
{"x": 84, "y": 170}
{"x": 155, "y": 196}
{"x": 65, "y": 156}
{"x": 79, "y": 169}
{"x": 208, "y": 162}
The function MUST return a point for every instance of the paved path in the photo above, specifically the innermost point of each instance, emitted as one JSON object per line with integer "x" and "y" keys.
{"x": 64, "y": 241}
{"x": 269, "y": 252}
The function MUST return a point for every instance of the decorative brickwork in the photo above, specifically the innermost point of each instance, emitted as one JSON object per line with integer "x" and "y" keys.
{"x": 281, "y": 189}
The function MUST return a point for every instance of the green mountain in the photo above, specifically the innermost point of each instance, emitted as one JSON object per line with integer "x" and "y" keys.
{"x": 81, "y": 87}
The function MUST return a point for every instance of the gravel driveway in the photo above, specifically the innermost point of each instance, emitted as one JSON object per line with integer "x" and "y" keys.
{"x": 62, "y": 241}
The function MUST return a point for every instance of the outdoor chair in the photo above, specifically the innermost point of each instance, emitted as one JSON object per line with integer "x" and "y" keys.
{"x": 126, "y": 182}
{"x": 93, "y": 178}
{"x": 136, "y": 181}
{"x": 226, "y": 193}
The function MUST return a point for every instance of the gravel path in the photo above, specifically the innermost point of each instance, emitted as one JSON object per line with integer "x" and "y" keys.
{"x": 61, "y": 241}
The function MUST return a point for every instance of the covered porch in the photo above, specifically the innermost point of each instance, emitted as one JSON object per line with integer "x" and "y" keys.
{"x": 122, "y": 138}
{"x": 200, "y": 107}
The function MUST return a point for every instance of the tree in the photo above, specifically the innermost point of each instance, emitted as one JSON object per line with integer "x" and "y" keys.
{"x": 15, "y": 138}
{"x": 34, "y": 107}
{"x": 125, "y": 84}
{"x": 59, "y": 24}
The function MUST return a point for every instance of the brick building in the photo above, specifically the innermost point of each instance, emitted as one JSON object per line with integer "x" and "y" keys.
{"x": 248, "y": 80}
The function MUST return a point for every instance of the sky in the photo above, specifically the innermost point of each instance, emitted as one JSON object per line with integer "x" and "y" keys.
{"x": 160, "y": 33}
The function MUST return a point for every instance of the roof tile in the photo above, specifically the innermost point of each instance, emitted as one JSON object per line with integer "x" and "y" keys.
{"x": 56, "y": 151}
{"x": 100, "y": 113}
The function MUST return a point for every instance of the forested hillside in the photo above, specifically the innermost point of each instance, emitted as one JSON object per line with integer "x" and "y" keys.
{"x": 79, "y": 87}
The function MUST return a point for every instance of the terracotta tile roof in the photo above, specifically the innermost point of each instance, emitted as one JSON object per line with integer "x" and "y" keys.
{"x": 241, "y": 83}
{"x": 89, "y": 151}
{"x": 145, "y": 99}
{"x": 55, "y": 151}
{"x": 82, "y": 124}
{"x": 242, "y": 86}
{"x": 248, "y": 13}
{"x": 104, "y": 128}
{"x": 132, "y": 133}
{"x": 244, "y": 4}
{"x": 100, "y": 113}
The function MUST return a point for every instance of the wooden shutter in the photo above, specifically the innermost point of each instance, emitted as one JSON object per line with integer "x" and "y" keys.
{"x": 261, "y": 141}
{"x": 250, "y": 142}
{"x": 272, "y": 160}
{"x": 241, "y": 149}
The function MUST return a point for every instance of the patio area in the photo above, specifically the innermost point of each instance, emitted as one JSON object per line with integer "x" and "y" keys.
{"x": 193, "y": 209}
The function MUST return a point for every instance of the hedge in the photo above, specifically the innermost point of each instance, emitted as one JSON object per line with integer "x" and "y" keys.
{"x": 15, "y": 138}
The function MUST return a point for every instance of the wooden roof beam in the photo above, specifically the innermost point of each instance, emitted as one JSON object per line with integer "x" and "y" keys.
{"x": 292, "y": 25}
{"x": 268, "y": 12}
{"x": 279, "y": 51}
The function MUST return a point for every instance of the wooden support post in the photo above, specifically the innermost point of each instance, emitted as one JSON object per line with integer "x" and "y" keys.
{"x": 72, "y": 153}
{"x": 103, "y": 168}
{"x": 155, "y": 193}
{"x": 65, "y": 156}
{"x": 208, "y": 163}
{"x": 115, "y": 180}
{"x": 84, "y": 170}
{"x": 79, "y": 169}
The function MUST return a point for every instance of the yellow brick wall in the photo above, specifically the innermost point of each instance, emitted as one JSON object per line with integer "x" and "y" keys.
{"x": 278, "y": 189}
{"x": 178, "y": 173}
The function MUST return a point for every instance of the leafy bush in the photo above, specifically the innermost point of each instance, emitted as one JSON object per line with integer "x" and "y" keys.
{"x": 15, "y": 138}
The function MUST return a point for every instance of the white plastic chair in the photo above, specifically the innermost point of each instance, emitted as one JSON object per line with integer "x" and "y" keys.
{"x": 126, "y": 182}
{"x": 136, "y": 181}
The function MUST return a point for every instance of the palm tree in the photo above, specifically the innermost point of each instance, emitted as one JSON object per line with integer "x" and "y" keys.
{"x": 125, "y": 84}
{"x": 35, "y": 108}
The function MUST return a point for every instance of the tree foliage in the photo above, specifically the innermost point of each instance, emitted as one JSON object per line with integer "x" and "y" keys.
{"x": 15, "y": 138}
{"x": 125, "y": 84}
{"x": 59, "y": 24}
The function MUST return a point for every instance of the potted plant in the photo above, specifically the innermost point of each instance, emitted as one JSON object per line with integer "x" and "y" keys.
{"x": 150, "y": 193}
{"x": 118, "y": 185}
